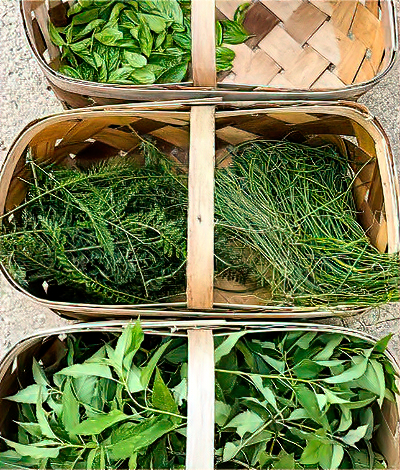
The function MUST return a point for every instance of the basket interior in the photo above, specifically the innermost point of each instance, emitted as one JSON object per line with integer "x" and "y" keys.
{"x": 316, "y": 44}
{"x": 86, "y": 140}
{"x": 16, "y": 373}
{"x": 295, "y": 44}
{"x": 314, "y": 129}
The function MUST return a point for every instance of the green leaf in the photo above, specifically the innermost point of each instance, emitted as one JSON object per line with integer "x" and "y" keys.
{"x": 109, "y": 36}
{"x": 33, "y": 450}
{"x": 382, "y": 344}
{"x": 70, "y": 72}
{"x": 230, "y": 450}
{"x": 355, "y": 435}
{"x": 162, "y": 398}
{"x": 143, "y": 76}
{"x": 121, "y": 75}
{"x": 308, "y": 400}
{"x": 246, "y": 422}
{"x": 29, "y": 394}
{"x": 38, "y": 374}
{"x": 241, "y": 11}
{"x": 70, "y": 409}
{"x": 43, "y": 420}
{"x": 142, "y": 435}
{"x": 307, "y": 369}
{"x": 380, "y": 376}
{"x": 310, "y": 453}
{"x": 85, "y": 369}
{"x": 267, "y": 392}
{"x": 147, "y": 371}
{"x": 132, "y": 336}
{"x": 55, "y": 36}
{"x": 337, "y": 457}
{"x": 354, "y": 372}
{"x": 279, "y": 366}
{"x": 134, "y": 383}
{"x": 154, "y": 22}
{"x": 222, "y": 412}
{"x": 233, "y": 32}
{"x": 135, "y": 60}
{"x": 329, "y": 348}
{"x": 224, "y": 58}
{"x": 145, "y": 39}
{"x": 86, "y": 16}
{"x": 174, "y": 74}
{"x": 226, "y": 346}
{"x": 97, "y": 425}
{"x": 218, "y": 33}
{"x": 285, "y": 462}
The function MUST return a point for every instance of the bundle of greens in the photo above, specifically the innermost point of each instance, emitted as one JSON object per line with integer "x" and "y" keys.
{"x": 289, "y": 212}
{"x": 109, "y": 404}
{"x": 115, "y": 233}
{"x": 300, "y": 400}
{"x": 286, "y": 230}
{"x": 136, "y": 42}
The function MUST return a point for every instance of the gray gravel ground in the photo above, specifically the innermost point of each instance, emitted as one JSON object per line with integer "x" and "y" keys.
{"x": 24, "y": 96}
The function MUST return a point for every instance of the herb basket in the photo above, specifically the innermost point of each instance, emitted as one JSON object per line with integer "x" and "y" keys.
{"x": 316, "y": 49}
{"x": 105, "y": 132}
{"x": 47, "y": 348}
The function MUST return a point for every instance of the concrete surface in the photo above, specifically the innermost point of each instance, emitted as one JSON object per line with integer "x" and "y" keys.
{"x": 24, "y": 96}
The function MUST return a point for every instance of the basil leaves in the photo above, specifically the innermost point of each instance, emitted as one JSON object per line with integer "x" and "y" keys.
{"x": 136, "y": 42}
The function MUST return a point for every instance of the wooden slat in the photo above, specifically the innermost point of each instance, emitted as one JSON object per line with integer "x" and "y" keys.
{"x": 281, "y": 47}
{"x": 200, "y": 258}
{"x": 174, "y": 135}
{"x": 308, "y": 67}
{"x": 282, "y": 9}
{"x": 304, "y": 22}
{"x": 203, "y": 45}
{"x": 201, "y": 401}
{"x": 252, "y": 67}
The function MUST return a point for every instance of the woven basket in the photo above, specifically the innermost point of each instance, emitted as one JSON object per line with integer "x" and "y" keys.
{"x": 48, "y": 347}
{"x": 106, "y": 132}
{"x": 299, "y": 49}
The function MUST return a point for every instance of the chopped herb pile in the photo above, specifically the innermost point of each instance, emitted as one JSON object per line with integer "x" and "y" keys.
{"x": 137, "y": 42}
{"x": 111, "y": 404}
{"x": 300, "y": 400}
{"x": 286, "y": 230}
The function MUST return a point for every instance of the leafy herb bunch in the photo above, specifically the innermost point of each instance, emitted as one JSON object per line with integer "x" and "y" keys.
{"x": 300, "y": 400}
{"x": 289, "y": 211}
{"x": 115, "y": 233}
{"x": 136, "y": 42}
{"x": 116, "y": 403}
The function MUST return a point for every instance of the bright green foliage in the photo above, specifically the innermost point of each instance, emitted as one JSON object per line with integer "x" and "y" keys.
{"x": 113, "y": 234}
{"x": 90, "y": 420}
{"x": 282, "y": 401}
{"x": 135, "y": 42}
{"x": 290, "y": 209}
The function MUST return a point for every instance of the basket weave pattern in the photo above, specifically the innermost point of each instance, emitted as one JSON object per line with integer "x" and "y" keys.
{"x": 316, "y": 44}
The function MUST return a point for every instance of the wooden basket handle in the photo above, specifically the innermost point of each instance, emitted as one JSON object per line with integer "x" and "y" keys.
{"x": 201, "y": 401}
{"x": 200, "y": 256}
{"x": 203, "y": 43}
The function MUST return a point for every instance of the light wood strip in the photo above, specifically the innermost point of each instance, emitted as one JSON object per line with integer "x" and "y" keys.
{"x": 203, "y": 43}
{"x": 200, "y": 259}
{"x": 201, "y": 401}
